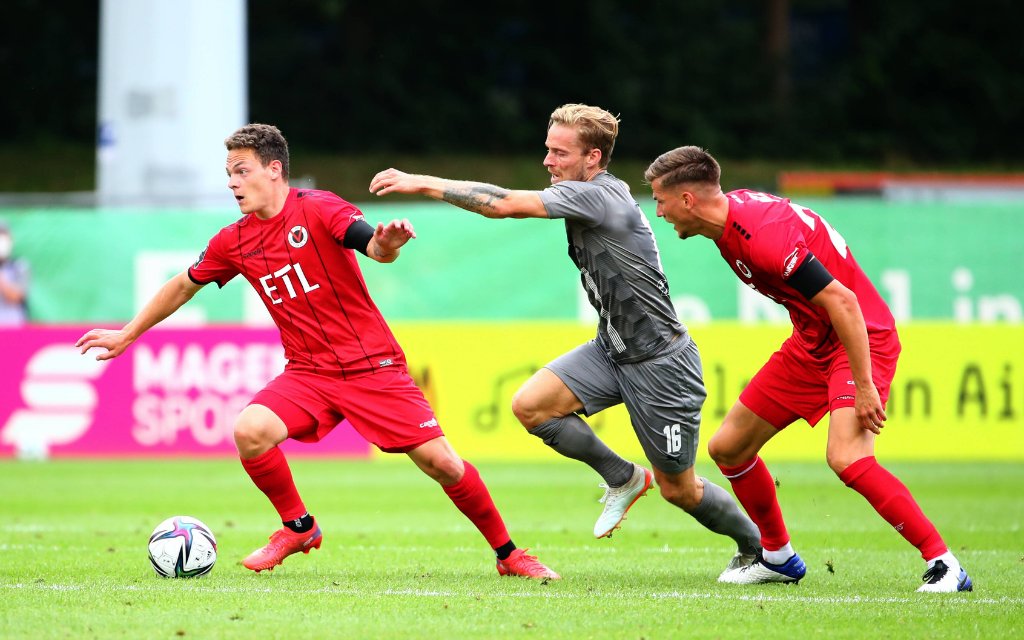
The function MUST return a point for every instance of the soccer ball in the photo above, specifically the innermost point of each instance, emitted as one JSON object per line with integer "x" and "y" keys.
{"x": 182, "y": 547}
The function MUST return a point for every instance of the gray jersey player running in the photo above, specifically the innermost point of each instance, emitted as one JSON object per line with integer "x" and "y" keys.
{"x": 642, "y": 355}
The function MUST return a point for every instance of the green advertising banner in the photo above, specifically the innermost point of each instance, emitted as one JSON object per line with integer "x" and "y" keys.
{"x": 931, "y": 261}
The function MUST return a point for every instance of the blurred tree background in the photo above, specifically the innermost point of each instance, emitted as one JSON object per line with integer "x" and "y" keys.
{"x": 838, "y": 83}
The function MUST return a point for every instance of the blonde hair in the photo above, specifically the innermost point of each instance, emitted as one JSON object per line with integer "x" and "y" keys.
{"x": 597, "y": 129}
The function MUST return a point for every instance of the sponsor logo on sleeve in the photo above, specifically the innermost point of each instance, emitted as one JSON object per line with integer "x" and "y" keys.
{"x": 790, "y": 263}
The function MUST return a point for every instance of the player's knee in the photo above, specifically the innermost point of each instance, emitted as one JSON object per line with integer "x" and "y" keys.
{"x": 526, "y": 409}
{"x": 721, "y": 453}
{"x": 838, "y": 460}
{"x": 445, "y": 469}
{"x": 451, "y": 471}
{"x": 252, "y": 437}
{"x": 728, "y": 449}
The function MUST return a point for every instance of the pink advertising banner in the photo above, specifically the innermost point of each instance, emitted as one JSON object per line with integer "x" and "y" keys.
{"x": 174, "y": 392}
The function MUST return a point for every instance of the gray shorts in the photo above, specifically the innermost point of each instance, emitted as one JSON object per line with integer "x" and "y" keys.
{"x": 663, "y": 396}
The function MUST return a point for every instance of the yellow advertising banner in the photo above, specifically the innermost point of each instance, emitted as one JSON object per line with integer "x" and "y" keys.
{"x": 958, "y": 392}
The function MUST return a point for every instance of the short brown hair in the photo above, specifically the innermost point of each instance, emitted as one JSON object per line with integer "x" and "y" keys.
{"x": 596, "y": 127}
{"x": 684, "y": 164}
{"x": 265, "y": 140}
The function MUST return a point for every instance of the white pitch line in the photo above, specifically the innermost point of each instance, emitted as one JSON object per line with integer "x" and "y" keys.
{"x": 663, "y": 549}
{"x": 968, "y": 600}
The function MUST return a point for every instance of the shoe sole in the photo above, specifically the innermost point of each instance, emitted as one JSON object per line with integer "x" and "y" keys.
{"x": 785, "y": 580}
{"x": 506, "y": 573}
{"x": 648, "y": 481}
{"x": 788, "y": 580}
{"x": 314, "y": 545}
{"x": 509, "y": 574}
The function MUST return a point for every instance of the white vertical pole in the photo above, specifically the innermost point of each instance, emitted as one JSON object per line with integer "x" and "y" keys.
{"x": 172, "y": 86}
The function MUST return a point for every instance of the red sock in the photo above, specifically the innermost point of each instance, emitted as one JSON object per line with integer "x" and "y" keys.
{"x": 755, "y": 489}
{"x": 470, "y": 495}
{"x": 270, "y": 473}
{"x": 892, "y": 500}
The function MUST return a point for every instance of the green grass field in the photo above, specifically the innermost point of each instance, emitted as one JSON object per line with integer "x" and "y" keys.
{"x": 398, "y": 561}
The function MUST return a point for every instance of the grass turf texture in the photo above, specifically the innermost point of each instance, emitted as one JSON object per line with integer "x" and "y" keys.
{"x": 399, "y": 561}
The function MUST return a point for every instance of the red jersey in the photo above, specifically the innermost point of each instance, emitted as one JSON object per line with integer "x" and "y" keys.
{"x": 767, "y": 238}
{"x": 309, "y": 282}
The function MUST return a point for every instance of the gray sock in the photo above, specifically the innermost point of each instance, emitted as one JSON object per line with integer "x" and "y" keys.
{"x": 720, "y": 513}
{"x": 572, "y": 437}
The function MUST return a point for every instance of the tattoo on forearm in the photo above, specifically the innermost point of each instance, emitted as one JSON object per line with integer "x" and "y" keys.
{"x": 476, "y": 197}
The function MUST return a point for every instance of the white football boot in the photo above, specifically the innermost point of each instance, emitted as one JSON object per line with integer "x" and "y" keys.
{"x": 618, "y": 500}
{"x": 942, "y": 578}
{"x": 762, "y": 572}
{"x": 739, "y": 561}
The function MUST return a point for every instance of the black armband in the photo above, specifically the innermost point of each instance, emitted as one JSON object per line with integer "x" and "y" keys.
{"x": 810, "y": 277}
{"x": 358, "y": 236}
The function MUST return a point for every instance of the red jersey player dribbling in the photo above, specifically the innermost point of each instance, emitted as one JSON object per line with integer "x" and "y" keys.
{"x": 296, "y": 248}
{"x": 840, "y": 359}
{"x": 333, "y": 334}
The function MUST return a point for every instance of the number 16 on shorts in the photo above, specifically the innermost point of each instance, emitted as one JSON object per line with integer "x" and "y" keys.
{"x": 673, "y": 438}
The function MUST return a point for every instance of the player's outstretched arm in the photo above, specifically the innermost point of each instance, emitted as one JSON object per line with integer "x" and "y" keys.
{"x": 388, "y": 239}
{"x": 848, "y": 321}
{"x": 479, "y": 197}
{"x": 175, "y": 292}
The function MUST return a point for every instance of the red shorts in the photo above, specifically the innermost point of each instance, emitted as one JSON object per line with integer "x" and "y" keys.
{"x": 793, "y": 384}
{"x": 386, "y": 407}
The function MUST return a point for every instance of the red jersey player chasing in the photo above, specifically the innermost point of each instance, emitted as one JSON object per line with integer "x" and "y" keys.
{"x": 297, "y": 249}
{"x": 840, "y": 359}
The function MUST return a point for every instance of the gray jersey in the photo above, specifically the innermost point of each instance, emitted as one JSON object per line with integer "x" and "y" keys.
{"x": 611, "y": 242}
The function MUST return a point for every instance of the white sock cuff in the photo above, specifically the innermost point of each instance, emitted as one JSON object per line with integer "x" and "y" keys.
{"x": 948, "y": 558}
{"x": 749, "y": 467}
{"x": 780, "y": 555}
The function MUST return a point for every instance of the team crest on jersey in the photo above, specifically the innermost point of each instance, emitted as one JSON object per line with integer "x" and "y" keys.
{"x": 744, "y": 269}
{"x": 298, "y": 236}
